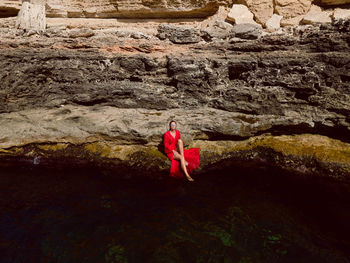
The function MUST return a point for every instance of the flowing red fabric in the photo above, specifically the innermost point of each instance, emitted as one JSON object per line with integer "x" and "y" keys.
{"x": 191, "y": 155}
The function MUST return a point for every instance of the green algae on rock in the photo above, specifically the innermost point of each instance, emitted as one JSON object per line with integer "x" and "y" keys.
{"x": 306, "y": 154}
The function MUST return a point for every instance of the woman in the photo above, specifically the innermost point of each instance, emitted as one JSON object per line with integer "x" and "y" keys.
{"x": 187, "y": 159}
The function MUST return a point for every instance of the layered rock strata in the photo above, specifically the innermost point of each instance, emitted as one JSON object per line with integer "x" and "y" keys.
{"x": 291, "y": 10}
{"x": 124, "y": 8}
{"x": 106, "y": 95}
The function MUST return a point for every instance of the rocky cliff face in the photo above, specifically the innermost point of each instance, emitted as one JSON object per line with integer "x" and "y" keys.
{"x": 124, "y": 8}
{"x": 103, "y": 91}
{"x": 262, "y": 9}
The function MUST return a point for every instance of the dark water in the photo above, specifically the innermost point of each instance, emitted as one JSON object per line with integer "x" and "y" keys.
{"x": 226, "y": 216}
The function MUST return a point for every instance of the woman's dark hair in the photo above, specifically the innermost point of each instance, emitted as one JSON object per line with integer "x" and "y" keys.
{"x": 171, "y": 122}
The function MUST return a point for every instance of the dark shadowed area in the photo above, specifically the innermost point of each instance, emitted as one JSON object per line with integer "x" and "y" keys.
{"x": 237, "y": 215}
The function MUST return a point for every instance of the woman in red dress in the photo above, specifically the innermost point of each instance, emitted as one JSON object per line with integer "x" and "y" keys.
{"x": 187, "y": 159}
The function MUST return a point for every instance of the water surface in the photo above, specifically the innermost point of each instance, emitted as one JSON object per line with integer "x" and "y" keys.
{"x": 240, "y": 215}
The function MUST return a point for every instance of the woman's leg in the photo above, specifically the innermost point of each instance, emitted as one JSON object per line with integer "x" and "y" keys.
{"x": 180, "y": 147}
{"x": 180, "y": 158}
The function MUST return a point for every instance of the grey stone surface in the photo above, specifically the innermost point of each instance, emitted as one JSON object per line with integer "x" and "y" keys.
{"x": 247, "y": 31}
{"x": 218, "y": 30}
{"x": 178, "y": 35}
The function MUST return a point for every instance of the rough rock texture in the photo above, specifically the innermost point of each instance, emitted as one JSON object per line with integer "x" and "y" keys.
{"x": 293, "y": 21}
{"x": 273, "y": 23}
{"x": 123, "y": 8}
{"x": 317, "y": 16}
{"x": 341, "y": 14}
{"x": 106, "y": 96}
{"x": 240, "y": 14}
{"x": 32, "y": 16}
{"x": 289, "y": 9}
{"x": 262, "y": 9}
{"x": 178, "y": 35}
{"x": 9, "y": 8}
{"x": 247, "y": 31}
{"x": 218, "y": 30}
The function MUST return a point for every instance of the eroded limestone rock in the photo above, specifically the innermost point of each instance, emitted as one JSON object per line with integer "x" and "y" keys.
{"x": 32, "y": 16}
{"x": 305, "y": 155}
{"x": 262, "y": 9}
{"x": 84, "y": 32}
{"x": 108, "y": 100}
{"x": 240, "y": 14}
{"x": 317, "y": 16}
{"x": 292, "y": 9}
{"x": 178, "y": 34}
{"x": 9, "y": 8}
{"x": 247, "y": 31}
{"x": 341, "y": 14}
{"x": 273, "y": 23}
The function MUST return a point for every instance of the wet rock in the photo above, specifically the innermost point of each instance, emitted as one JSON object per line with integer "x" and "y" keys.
{"x": 302, "y": 155}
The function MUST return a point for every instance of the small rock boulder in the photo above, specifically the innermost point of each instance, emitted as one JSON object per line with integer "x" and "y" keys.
{"x": 32, "y": 16}
{"x": 317, "y": 16}
{"x": 292, "y": 8}
{"x": 178, "y": 35}
{"x": 240, "y": 14}
{"x": 341, "y": 14}
{"x": 262, "y": 9}
{"x": 293, "y": 21}
{"x": 247, "y": 31}
{"x": 274, "y": 23}
{"x": 81, "y": 32}
{"x": 219, "y": 30}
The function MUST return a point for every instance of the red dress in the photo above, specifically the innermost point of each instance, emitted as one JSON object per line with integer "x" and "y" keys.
{"x": 191, "y": 155}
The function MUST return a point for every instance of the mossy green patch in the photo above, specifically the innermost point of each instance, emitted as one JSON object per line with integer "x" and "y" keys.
{"x": 53, "y": 147}
{"x": 116, "y": 254}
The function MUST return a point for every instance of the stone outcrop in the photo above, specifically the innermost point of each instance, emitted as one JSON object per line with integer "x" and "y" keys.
{"x": 125, "y": 8}
{"x": 317, "y": 16}
{"x": 341, "y": 14}
{"x": 32, "y": 16}
{"x": 292, "y": 11}
{"x": 273, "y": 23}
{"x": 262, "y": 9}
{"x": 86, "y": 95}
{"x": 240, "y": 14}
{"x": 9, "y": 7}
{"x": 247, "y": 31}
{"x": 103, "y": 91}
{"x": 178, "y": 35}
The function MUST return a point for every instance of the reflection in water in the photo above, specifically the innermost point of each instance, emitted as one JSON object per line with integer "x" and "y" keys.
{"x": 227, "y": 216}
